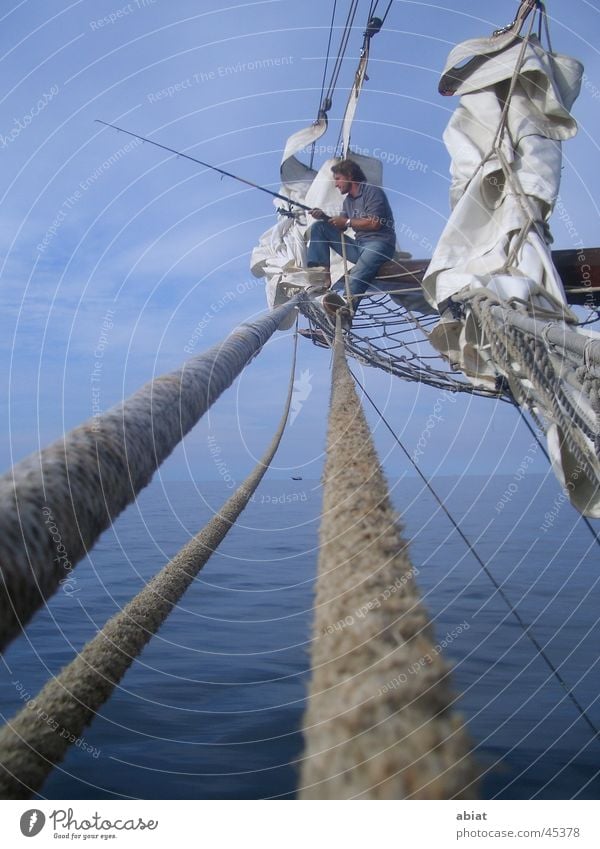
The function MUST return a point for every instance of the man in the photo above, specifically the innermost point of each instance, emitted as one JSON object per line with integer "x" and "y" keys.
{"x": 367, "y": 211}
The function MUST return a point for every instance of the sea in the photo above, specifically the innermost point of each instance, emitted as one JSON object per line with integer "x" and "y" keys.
{"x": 213, "y": 707}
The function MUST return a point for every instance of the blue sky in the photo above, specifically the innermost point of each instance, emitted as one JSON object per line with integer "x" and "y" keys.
{"x": 131, "y": 253}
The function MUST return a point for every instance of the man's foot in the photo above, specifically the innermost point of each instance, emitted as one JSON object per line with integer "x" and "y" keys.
{"x": 317, "y": 336}
{"x": 319, "y": 279}
{"x": 314, "y": 281}
{"x": 316, "y": 290}
{"x": 334, "y": 303}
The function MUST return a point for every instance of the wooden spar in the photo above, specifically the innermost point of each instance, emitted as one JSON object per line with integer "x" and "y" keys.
{"x": 579, "y": 271}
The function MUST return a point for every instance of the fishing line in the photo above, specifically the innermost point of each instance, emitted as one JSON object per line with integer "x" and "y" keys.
{"x": 515, "y": 613}
{"x": 207, "y": 165}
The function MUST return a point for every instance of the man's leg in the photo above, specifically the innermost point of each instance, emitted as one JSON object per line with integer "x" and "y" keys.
{"x": 323, "y": 238}
{"x": 372, "y": 256}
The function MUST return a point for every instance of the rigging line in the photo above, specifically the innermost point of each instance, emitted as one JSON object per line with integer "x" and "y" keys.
{"x": 342, "y": 48}
{"x": 547, "y": 456}
{"x": 386, "y": 12}
{"x": 373, "y": 26}
{"x": 327, "y": 55}
{"x": 321, "y": 104}
{"x": 338, "y": 144}
{"x": 373, "y": 9}
{"x": 326, "y": 102}
{"x": 526, "y": 628}
{"x": 346, "y": 33}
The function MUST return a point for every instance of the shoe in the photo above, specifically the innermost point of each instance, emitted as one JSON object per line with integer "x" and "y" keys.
{"x": 316, "y": 289}
{"x": 315, "y": 281}
{"x": 319, "y": 279}
{"x": 317, "y": 336}
{"x": 445, "y": 336}
{"x": 334, "y": 303}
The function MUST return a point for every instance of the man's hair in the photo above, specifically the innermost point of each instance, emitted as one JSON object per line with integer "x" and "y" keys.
{"x": 351, "y": 170}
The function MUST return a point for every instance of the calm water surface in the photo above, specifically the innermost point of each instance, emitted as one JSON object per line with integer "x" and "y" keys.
{"x": 212, "y": 708}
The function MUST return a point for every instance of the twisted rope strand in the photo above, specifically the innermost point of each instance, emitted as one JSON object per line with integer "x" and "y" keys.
{"x": 379, "y": 723}
{"x": 38, "y": 737}
{"x": 55, "y": 504}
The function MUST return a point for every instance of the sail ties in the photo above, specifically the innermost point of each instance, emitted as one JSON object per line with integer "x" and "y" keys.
{"x": 590, "y": 383}
{"x": 494, "y": 256}
{"x": 55, "y": 504}
{"x": 565, "y": 389}
{"x": 379, "y": 724}
{"x": 38, "y": 737}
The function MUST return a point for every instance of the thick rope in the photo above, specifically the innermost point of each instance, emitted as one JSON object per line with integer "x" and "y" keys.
{"x": 591, "y": 386}
{"x": 379, "y": 723}
{"x": 510, "y": 345}
{"x": 55, "y": 504}
{"x": 527, "y": 629}
{"x": 39, "y": 735}
{"x": 349, "y": 299}
{"x": 542, "y": 447}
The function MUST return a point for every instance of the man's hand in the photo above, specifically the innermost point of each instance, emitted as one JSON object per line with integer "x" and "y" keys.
{"x": 340, "y": 222}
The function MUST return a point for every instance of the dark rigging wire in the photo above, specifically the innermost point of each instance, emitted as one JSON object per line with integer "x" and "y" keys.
{"x": 498, "y": 587}
{"x": 341, "y": 53}
{"x": 386, "y": 12}
{"x": 312, "y": 149}
{"x": 365, "y": 48}
{"x": 327, "y": 54}
{"x": 373, "y": 9}
{"x": 373, "y": 26}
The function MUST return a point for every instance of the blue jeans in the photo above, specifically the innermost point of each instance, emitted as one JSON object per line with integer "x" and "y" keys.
{"x": 368, "y": 256}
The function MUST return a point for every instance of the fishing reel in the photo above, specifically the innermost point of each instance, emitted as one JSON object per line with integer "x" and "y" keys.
{"x": 289, "y": 213}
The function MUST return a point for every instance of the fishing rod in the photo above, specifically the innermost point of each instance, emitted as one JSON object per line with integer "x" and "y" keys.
{"x": 212, "y": 167}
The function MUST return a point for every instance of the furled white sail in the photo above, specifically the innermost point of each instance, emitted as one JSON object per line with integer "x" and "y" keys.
{"x": 493, "y": 258}
{"x": 506, "y": 161}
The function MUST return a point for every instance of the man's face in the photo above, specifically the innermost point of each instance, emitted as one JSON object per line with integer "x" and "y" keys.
{"x": 342, "y": 183}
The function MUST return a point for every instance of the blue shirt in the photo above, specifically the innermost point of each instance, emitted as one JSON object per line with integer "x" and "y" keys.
{"x": 371, "y": 202}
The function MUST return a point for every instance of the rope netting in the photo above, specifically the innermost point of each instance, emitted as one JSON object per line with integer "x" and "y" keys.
{"x": 559, "y": 383}
{"x": 393, "y": 338}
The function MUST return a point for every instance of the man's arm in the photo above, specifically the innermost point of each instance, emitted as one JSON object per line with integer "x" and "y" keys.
{"x": 365, "y": 225}
{"x": 376, "y": 209}
{"x": 342, "y": 222}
